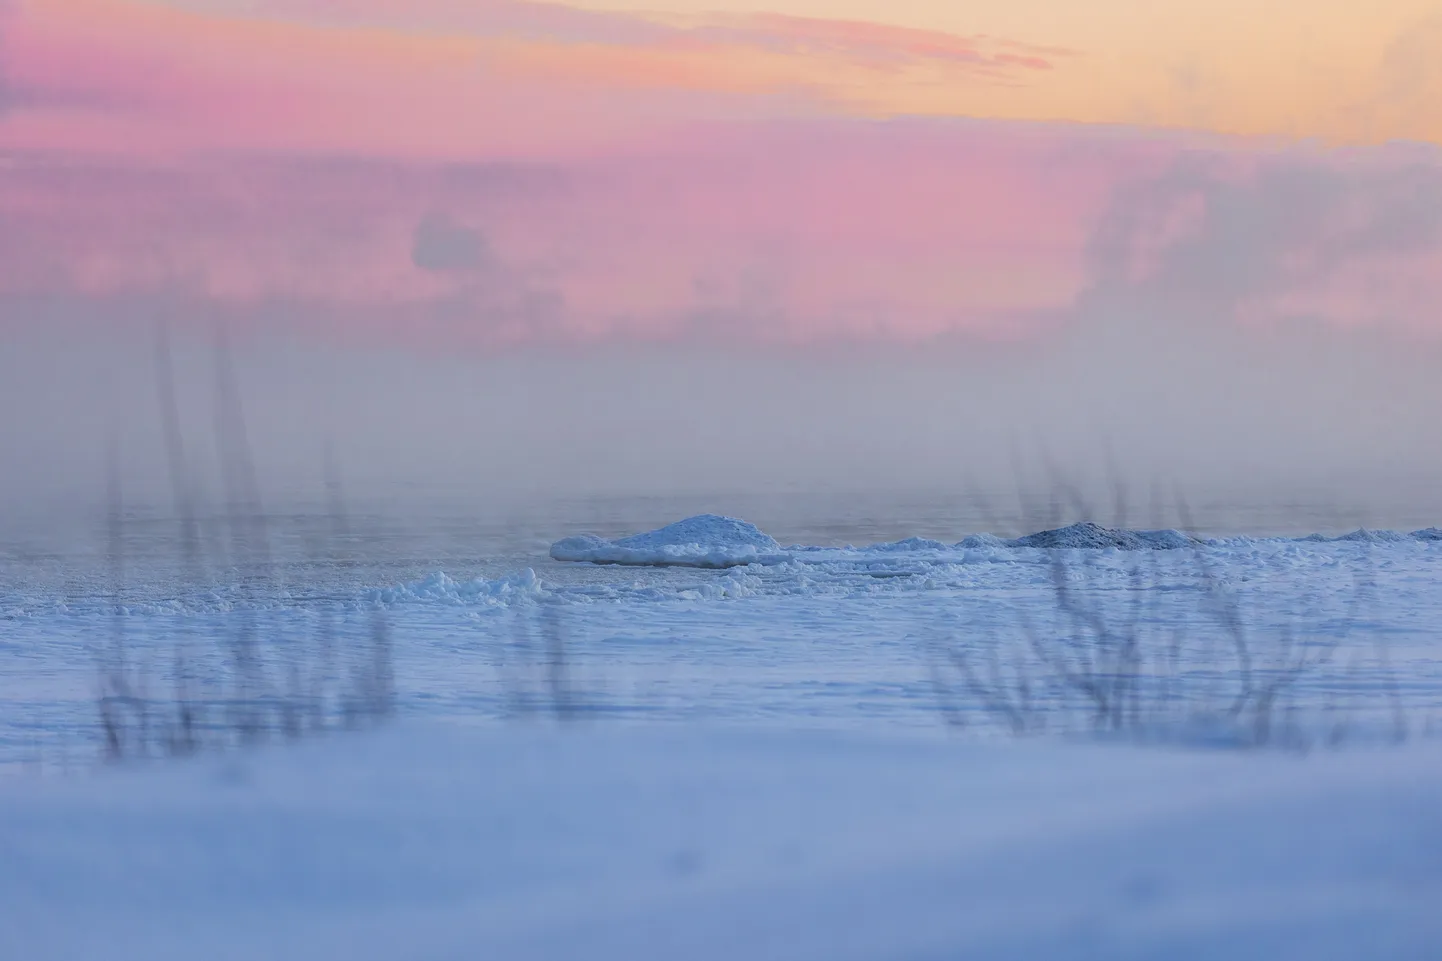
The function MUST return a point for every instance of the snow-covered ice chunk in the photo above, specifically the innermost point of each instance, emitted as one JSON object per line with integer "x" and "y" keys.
{"x": 1167, "y": 539}
{"x": 711, "y": 529}
{"x": 1365, "y": 536}
{"x": 1360, "y": 536}
{"x": 706, "y": 540}
{"x": 909, "y": 545}
{"x": 982, "y": 541}
{"x": 582, "y": 547}
{"x": 1086, "y": 535}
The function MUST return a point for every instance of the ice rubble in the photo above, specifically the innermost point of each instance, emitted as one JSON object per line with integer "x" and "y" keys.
{"x": 441, "y": 588}
{"x": 715, "y": 541}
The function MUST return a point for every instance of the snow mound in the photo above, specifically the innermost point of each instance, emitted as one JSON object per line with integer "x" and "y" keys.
{"x": 1360, "y": 536}
{"x": 909, "y": 545}
{"x": 1167, "y": 540}
{"x": 1089, "y": 536}
{"x": 1366, "y": 536}
{"x": 982, "y": 541}
{"x": 579, "y": 548}
{"x": 704, "y": 529}
{"x": 1428, "y": 534}
{"x": 706, "y": 540}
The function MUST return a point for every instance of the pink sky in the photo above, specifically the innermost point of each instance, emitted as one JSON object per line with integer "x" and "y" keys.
{"x": 510, "y": 172}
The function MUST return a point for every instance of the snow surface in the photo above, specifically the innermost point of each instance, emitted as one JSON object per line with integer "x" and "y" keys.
{"x": 431, "y": 842}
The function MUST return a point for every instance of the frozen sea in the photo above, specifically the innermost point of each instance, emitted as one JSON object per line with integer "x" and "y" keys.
{"x": 879, "y": 613}
{"x": 800, "y": 751}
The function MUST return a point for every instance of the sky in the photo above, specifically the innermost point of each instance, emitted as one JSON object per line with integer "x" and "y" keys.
{"x": 1184, "y": 225}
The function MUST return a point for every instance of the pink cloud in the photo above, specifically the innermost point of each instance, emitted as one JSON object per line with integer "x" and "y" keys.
{"x": 174, "y": 82}
{"x": 1347, "y": 238}
{"x": 774, "y": 232}
{"x": 573, "y": 195}
{"x": 782, "y": 233}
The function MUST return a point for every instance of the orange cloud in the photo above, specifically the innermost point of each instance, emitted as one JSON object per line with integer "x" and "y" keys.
{"x": 492, "y": 78}
{"x": 524, "y": 78}
{"x": 867, "y": 44}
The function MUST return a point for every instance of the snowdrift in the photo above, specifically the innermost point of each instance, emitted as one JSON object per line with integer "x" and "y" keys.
{"x": 436, "y": 843}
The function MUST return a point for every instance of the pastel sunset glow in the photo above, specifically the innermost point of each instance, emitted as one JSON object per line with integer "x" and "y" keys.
{"x": 608, "y": 480}
{"x": 503, "y": 171}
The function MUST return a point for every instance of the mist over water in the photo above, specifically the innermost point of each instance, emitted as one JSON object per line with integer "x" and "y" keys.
{"x": 504, "y": 451}
{"x": 474, "y": 466}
